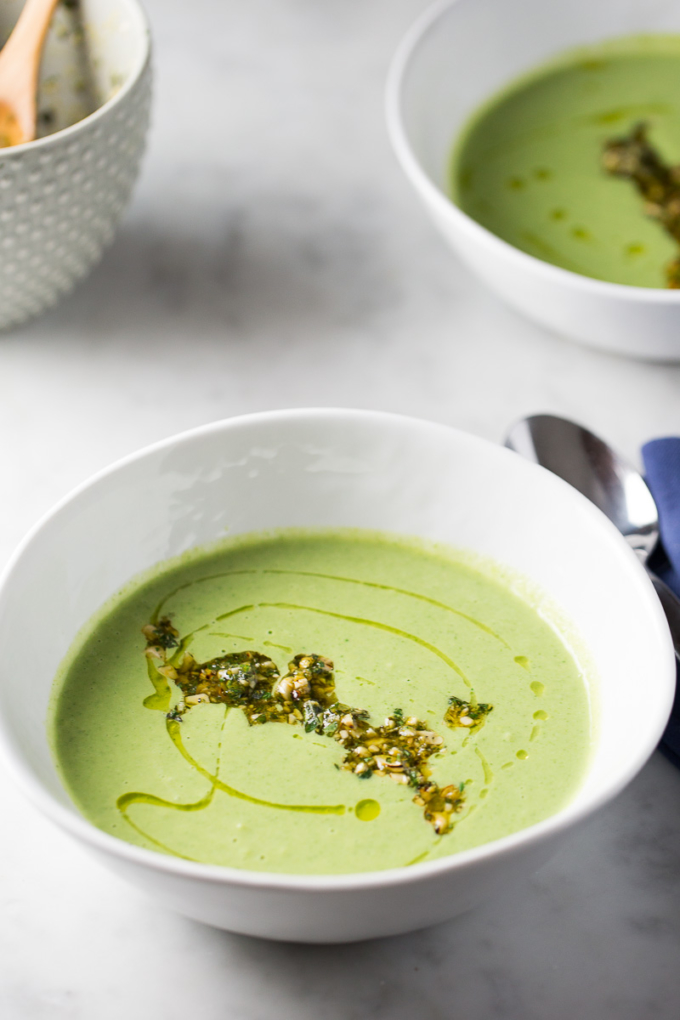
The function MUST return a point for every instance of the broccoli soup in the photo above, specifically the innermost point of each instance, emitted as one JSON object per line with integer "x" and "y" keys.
{"x": 319, "y": 703}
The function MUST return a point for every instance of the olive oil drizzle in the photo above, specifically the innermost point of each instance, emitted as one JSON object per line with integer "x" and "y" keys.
{"x": 488, "y": 774}
{"x": 155, "y": 616}
{"x": 321, "y": 809}
{"x": 400, "y": 591}
{"x": 333, "y": 577}
{"x": 359, "y": 620}
{"x": 439, "y": 805}
{"x": 421, "y": 857}
{"x": 128, "y": 799}
{"x": 160, "y": 700}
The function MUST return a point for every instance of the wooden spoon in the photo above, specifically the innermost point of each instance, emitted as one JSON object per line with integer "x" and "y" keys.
{"x": 19, "y": 67}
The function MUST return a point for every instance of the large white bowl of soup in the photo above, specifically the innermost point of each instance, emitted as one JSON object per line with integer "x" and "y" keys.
{"x": 327, "y": 675}
{"x": 500, "y": 112}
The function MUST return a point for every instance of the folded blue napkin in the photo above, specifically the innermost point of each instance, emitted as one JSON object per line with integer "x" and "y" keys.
{"x": 662, "y": 470}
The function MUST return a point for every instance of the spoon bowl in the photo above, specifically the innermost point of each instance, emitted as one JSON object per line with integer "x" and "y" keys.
{"x": 601, "y": 474}
{"x": 608, "y": 480}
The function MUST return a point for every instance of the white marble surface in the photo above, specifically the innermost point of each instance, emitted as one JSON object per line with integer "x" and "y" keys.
{"x": 274, "y": 256}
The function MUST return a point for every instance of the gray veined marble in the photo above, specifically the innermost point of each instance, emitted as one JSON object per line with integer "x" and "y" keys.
{"x": 274, "y": 256}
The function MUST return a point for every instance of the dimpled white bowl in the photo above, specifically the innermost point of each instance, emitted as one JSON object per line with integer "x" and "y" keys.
{"x": 62, "y": 195}
{"x": 332, "y": 468}
{"x": 457, "y": 55}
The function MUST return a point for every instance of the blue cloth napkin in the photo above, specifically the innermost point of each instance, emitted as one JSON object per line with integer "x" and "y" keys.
{"x": 662, "y": 469}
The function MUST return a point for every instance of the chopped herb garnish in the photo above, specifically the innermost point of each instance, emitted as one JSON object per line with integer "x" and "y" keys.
{"x": 162, "y": 634}
{"x": 312, "y": 712}
{"x": 470, "y": 715}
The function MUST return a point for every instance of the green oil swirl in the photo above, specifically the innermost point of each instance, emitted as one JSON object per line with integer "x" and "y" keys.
{"x": 160, "y": 700}
{"x": 173, "y": 728}
{"x": 358, "y": 620}
{"x": 400, "y": 591}
{"x": 127, "y": 800}
{"x": 366, "y": 810}
{"x": 488, "y": 774}
{"x": 334, "y": 577}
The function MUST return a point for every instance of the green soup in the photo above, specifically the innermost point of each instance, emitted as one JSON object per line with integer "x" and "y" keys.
{"x": 528, "y": 164}
{"x": 427, "y": 708}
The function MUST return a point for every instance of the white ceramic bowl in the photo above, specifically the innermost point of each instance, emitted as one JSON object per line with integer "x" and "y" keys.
{"x": 62, "y": 195}
{"x": 332, "y": 468}
{"x": 458, "y": 54}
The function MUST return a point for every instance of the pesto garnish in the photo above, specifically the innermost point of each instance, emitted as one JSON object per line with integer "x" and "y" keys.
{"x": 161, "y": 634}
{"x": 239, "y": 680}
{"x": 399, "y": 748}
{"x": 634, "y": 158}
{"x": 465, "y": 714}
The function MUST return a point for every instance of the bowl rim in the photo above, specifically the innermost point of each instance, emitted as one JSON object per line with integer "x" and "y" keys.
{"x": 143, "y": 29}
{"x": 76, "y": 824}
{"x": 399, "y": 68}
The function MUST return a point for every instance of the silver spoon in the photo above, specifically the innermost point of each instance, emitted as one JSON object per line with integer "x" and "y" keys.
{"x": 608, "y": 480}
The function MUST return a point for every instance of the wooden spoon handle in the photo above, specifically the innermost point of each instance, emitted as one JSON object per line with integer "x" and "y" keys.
{"x": 20, "y": 64}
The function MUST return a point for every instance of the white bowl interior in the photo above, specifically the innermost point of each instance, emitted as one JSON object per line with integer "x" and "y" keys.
{"x": 116, "y": 34}
{"x": 472, "y": 48}
{"x": 336, "y": 468}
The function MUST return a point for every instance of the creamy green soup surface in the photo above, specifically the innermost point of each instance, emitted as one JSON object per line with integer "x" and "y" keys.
{"x": 528, "y": 165}
{"x": 427, "y": 709}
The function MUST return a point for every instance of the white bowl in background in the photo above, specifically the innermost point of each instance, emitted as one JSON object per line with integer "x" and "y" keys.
{"x": 62, "y": 195}
{"x": 333, "y": 468}
{"x": 457, "y": 55}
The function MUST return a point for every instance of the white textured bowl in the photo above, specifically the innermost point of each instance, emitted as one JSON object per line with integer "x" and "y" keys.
{"x": 332, "y": 468}
{"x": 458, "y": 54}
{"x": 62, "y": 195}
